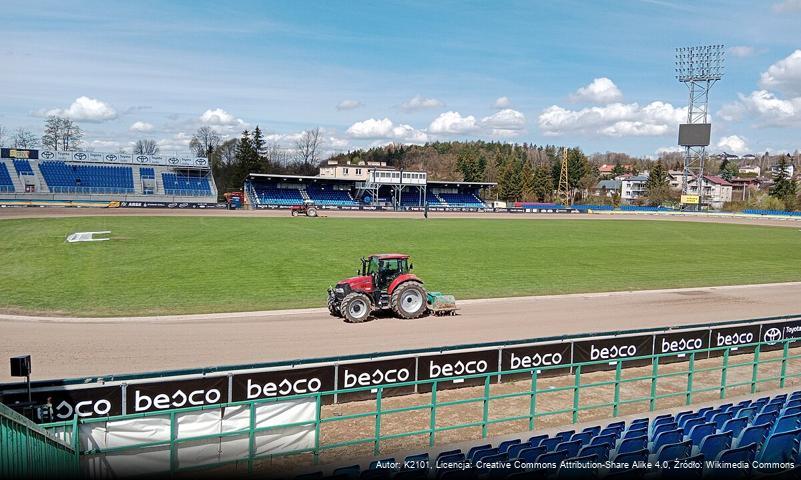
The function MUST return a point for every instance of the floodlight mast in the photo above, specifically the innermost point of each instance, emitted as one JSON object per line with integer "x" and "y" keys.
{"x": 698, "y": 68}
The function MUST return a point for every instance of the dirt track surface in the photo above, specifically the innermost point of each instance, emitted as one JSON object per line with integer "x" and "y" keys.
{"x": 48, "y": 212}
{"x": 64, "y": 348}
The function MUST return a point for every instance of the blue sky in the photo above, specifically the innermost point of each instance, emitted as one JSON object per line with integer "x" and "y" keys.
{"x": 594, "y": 74}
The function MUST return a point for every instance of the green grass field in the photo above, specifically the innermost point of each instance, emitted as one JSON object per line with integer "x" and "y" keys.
{"x": 164, "y": 265}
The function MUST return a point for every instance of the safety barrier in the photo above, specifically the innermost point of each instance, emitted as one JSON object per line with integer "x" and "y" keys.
{"x": 686, "y": 374}
{"x": 27, "y": 450}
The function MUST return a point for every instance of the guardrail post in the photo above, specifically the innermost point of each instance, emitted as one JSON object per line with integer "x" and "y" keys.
{"x": 485, "y": 417}
{"x": 755, "y": 370}
{"x": 432, "y": 423}
{"x": 532, "y": 407}
{"x": 252, "y": 437}
{"x": 616, "y": 401}
{"x": 319, "y": 410}
{"x": 690, "y": 374}
{"x": 378, "y": 396}
{"x": 654, "y": 376}
{"x": 785, "y": 354}
{"x": 173, "y": 435}
{"x": 576, "y": 388}
{"x": 723, "y": 372}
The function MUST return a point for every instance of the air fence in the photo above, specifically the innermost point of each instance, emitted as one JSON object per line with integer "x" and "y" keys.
{"x": 253, "y": 421}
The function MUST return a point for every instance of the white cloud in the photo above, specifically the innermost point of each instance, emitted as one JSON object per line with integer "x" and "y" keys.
{"x": 85, "y": 109}
{"x": 141, "y": 127}
{"x": 503, "y": 102}
{"x": 733, "y": 144}
{"x": 787, "y": 6}
{"x": 220, "y": 118}
{"x": 616, "y": 119}
{"x": 505, "y": 123}
{"x": 741, "y": 51}
{"x": 178, "y": 143}
{"x": 784, "y": 75}
{"x": 418, "y": 102}
{"x": 454, "y": 123}
{"x": 385, "y": 129}
{"x": 349, "y": 104}
{"x": 601, "y": 90}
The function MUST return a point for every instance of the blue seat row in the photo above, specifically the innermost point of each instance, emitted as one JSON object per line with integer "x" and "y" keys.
{"x": 23, "y": 167}
{"x": 6, "y": 185}
{"x": 772, "y": 212}
{"x": 184, "y": 185}
{"x": 66, "y": 178}
{"x": 767, "y": 430}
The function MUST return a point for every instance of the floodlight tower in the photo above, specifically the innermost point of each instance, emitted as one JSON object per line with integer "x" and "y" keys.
{"x": 698, "y": 68}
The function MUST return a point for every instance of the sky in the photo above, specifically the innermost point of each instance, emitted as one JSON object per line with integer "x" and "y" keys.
{"x": 598, "y": 75}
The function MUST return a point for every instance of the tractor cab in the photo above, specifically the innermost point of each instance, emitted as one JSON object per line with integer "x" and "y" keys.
{"x": 383, "y": 269}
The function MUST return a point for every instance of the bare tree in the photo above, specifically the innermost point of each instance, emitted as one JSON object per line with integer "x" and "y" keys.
{"x": 307, "y": 147}
{"x": 145, "y": 147}
{"x": 205, "y": 141}
{"x": 61, "y": 134}
{"x": 24, "y": 138}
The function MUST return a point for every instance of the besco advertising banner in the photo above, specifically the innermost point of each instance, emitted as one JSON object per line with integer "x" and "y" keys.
{"x": 548, "y": 357}
{"x": 444, "y": 366}
{"x": 536, "y": 356}
{"x": 734, "y": 337}
{"x": 283, "y": 383}
{"x": 84, "y": 402}
{"x": 611, "y": 350}
{"x": 373, "y": 374}
{"x": 149, "y": 397}
{"x": 679, "y": 344}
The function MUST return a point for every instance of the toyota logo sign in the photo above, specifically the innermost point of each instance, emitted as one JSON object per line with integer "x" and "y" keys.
{"x": 772, "y": 335}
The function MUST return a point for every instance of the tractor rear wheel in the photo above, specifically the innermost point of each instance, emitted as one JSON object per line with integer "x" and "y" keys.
{"x": 356, "y": 307}
{"x": 333, "y": 308}
{"x": 311, "y": 212}
{"x": 409, "y": 300}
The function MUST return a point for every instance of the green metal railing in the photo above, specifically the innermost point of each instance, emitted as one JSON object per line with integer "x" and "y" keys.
{"x": 28, "y": 451}
{"x": 717, "y": 378}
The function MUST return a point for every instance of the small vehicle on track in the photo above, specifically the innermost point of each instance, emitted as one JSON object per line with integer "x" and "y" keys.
{"x": 308, "y": 209}
{"x": 385, "y": 282}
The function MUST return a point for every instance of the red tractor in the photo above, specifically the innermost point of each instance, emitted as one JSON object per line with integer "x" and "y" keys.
{"x": 383, "y": 283}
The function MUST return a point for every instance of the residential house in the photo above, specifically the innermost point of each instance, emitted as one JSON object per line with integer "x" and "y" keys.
{"x": 633, "y": 187}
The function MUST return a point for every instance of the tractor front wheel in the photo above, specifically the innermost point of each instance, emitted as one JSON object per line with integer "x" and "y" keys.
{"x": 409, "y": 300}
{"x": 356, "y": 307}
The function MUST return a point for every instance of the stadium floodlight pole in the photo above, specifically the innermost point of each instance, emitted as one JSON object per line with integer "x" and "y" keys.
{"x": 698, "y": 68}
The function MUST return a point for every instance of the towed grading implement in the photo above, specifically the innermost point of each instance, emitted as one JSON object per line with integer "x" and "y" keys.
{"x": 384, "y": 282}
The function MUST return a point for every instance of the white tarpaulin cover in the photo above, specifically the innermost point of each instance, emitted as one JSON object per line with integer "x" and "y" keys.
{"x": 107, "y": 435}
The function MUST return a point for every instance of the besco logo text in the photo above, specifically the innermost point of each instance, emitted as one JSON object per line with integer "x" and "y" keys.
{"x": 86, "y": 408}
{"x": 536, "y": 360}
{"x": 734, "y": 338}
{"x": 458, "y": 368}
{"x": 682, "y": 345}
{"x": 283, "y": 388}
{"x": 378, "y": 377}
{"x": 178, "y": 399}
{"x": 612, "y": 352}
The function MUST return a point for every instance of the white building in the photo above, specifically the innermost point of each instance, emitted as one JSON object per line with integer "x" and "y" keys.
{"x": 633, "y": 188}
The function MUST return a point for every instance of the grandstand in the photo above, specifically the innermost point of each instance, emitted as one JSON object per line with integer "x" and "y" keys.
{"x": 281, "y": 191}
{"x": 43, "y": 176}
{"x": 763, "y": 434}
